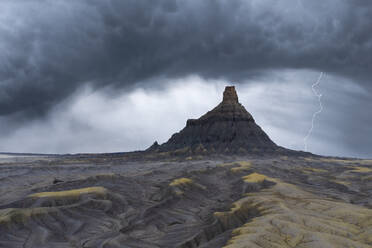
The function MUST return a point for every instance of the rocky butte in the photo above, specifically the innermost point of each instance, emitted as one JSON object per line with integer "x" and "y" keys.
{"x": 228, "y": 128}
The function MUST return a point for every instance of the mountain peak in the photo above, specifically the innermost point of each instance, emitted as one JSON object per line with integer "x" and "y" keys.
{"x": 228, "y": 128}
{"x": 229, "y": 95}
{"x": 228, "y": 109}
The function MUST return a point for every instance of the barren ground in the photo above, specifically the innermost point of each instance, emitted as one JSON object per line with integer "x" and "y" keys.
{"x": 253, "y": 201}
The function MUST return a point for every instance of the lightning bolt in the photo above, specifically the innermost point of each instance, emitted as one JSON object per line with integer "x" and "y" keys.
{"x": 319, "y": 96}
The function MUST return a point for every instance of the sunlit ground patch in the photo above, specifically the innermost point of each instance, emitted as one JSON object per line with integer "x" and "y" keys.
{"x": 238, "y": 166}
{"x": 71, "y": 193}
{"x": 254, "y": 178}
{"x": 181, "y": 181}
{"x": 313, "y": 170}
{"x": 361, "y": 169}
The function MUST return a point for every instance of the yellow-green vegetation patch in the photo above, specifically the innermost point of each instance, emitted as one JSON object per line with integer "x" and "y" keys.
{"x": 334, "y": 160}
{"x": 312, "y": 160}
{"x": 361, "y": 169}
{"x": 367, "y": 162}
{"x": 254, "y": 178}
{"x": 21, "y": 215}
{"x": 330, "y": 160}
{"x": 345, "y": 183}
{"x": 238, "y": 166}
{"x": 316, "y": 170}
{"x": 181, "y": 181}
{"x": 286, "y": 216}
{"x": 240, "y": 210}
{"x": 181, "y": 184}
{"x": 347, "y": 161}
{"x": 237, "y": 163}
{"x": 243, "y": 166}
{"x": 71, "y": 193}
{"x": 240, "y": 169}
{"x": 245, "y": 163}
{"x": 361, "y": 161}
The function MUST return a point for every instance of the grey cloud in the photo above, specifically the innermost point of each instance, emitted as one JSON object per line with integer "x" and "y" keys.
{"x": 51, "y": 48}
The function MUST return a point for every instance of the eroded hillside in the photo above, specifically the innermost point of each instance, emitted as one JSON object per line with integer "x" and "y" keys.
{"x": 272, "y": 201}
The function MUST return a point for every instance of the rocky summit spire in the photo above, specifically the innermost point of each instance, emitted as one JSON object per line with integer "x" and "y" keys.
{"x": 228, "y": 128}
{"x": 229, "y": 95}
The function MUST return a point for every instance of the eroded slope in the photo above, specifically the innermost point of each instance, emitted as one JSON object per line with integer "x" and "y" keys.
{"x": 239, "y": 202}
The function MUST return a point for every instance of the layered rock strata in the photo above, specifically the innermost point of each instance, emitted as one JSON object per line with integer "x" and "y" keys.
{"x": 228, "y": 128}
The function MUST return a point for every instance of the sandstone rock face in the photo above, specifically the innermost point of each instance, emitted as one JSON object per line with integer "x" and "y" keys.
{"x": 229, "y": 95}
{"x": 228, "y": 128}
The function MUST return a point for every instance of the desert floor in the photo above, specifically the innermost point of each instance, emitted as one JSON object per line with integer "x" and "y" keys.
{"x": 108, "y": 200}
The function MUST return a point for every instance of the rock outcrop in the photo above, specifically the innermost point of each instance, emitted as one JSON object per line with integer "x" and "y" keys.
{"x": 228, "y": 128}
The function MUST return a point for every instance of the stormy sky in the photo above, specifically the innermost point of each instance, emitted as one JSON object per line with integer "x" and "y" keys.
{"x": 113, "y": 75}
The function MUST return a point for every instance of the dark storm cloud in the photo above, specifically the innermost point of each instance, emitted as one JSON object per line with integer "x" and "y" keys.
{"x": 51, "y": 48}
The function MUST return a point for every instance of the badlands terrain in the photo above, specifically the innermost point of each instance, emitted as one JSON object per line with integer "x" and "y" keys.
{"x": 219, "y": 182}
